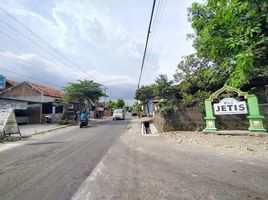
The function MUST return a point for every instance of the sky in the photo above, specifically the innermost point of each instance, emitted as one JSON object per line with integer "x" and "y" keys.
{"x": 55, "y": 42}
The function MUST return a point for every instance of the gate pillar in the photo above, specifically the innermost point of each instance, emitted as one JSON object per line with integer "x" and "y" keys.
{"x": 255, "y": 119}
{"x": 210, "y": 119}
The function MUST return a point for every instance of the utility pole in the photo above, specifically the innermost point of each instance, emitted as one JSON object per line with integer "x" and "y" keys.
{"x": 105, "y": 96}
{"x": 146, "y": 44}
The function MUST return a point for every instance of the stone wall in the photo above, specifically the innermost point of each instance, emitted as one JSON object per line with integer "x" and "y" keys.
{"x": 264, "y": 112}
{"x": 191, "y": 119}
{"x": 185, "y": 119}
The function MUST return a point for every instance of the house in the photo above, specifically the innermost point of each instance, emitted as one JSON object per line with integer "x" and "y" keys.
{"x": 102, "y": 111}
{"x": 42, "y": 101}
{"x": 149, "y": 107}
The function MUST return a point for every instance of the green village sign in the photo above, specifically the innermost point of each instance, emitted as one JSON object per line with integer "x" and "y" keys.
{"x": 230, "y": 106}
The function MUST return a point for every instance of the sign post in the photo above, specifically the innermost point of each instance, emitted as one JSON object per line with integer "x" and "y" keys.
{"x": 2, "y": 82}
{"x": 13, "y": 104}
{"x": 231, "y": 106}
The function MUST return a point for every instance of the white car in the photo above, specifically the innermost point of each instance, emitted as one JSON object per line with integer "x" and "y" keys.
{"x": 118, "y": 114}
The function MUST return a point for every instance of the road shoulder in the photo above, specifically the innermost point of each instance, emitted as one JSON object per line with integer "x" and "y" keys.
{"x": 37, "y": 136}
{"x": 139, "y": 167}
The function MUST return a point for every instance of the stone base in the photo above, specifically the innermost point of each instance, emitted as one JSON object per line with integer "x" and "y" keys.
{"x": 210, "y": 130}
{"x": 257, "y": 130}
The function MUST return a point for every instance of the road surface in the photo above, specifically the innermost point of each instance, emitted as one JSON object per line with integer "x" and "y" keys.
{"x": 150, "y": 168}
{"x": 54, "y": 168}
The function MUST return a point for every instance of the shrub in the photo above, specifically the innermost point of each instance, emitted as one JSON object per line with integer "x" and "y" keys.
{"x": 63, "y": 122}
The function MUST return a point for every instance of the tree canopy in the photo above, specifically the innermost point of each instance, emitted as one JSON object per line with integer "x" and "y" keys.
{"x": 120, "y": 103}
{"x": 144, "y": 92}
{"x": 83, "y": 90}
{"x": 233, "y": 34}
{"x": 231, "y": 42}
{"x": 111, "y": 104}
{"x": 161, "y": 88}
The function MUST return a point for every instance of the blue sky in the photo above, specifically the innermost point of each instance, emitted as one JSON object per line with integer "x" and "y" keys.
{"x": 103, "y": 40}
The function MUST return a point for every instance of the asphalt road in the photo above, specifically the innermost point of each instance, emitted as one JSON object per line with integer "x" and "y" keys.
{"x": 149, "y": 168}
{"x": 55, "y": 167}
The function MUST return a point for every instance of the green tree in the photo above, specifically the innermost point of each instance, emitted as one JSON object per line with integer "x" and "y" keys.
{"x": 137, "y": 108}
{"x": 144, "y": 92}
{"x": 128, "y": 108}
{"x": 111, "y": 104}
{"x": 197, "y": 78}
{"x": 233, "y": 34}
{"x": 162, "y": 87}
{"x": 83, "y": 90}
{"x": 120, "y": 103}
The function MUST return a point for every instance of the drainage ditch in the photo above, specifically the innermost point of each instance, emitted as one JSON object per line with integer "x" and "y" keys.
{"x": 147, "y": 128}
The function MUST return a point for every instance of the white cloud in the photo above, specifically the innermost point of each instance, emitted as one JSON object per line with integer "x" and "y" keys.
{"x": 32, "y": 66}
{"x": 104, "y": 38}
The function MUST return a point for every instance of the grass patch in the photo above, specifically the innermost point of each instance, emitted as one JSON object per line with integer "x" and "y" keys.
{"x": 63, "y": 122}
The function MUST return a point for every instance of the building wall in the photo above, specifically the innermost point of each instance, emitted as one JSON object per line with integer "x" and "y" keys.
{"x": 107, "y": 113}
{"x": 34, "y": 113}
{"x": 27, "y": 93}
{"x": 54, "y": 117}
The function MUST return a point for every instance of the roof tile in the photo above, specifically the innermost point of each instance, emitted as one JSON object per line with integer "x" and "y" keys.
{"x": 47, "y": 90}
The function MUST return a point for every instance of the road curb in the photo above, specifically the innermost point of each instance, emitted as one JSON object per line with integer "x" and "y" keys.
{"x": 50, "y": 130}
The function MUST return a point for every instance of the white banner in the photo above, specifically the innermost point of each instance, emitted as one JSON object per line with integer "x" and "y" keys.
{"x": 13, "y": 104}
{"x": 230, "y": 106}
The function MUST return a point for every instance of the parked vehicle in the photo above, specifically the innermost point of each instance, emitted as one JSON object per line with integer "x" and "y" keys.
{"x": 119, "y": 114}
{"x": 83, "y": 122}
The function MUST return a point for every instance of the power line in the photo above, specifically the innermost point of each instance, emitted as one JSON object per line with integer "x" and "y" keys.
{"x": 28, "y": 46}
{"x": 147, "y": 38}
{"x": 23, "y": 45}
{"x": 156, "y": 27}
{"x": 24, "y": 75}
{"x": 41, "y": 39}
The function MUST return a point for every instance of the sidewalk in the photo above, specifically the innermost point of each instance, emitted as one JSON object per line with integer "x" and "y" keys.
{"x": 145, "y": 167}
{"x": 31, "y": 129}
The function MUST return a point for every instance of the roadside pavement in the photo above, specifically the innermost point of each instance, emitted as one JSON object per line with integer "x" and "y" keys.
{"x": 31, "y": 129}
{"x": 52, "y": 166}
{"x": 37, "y": 131}
{"x": 148, "y": 167}
{"x": 38, "y": 134}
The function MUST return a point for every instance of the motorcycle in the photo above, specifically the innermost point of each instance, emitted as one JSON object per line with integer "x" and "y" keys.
{"x": 83, "y": 123}
{"x": 83, "y": 120}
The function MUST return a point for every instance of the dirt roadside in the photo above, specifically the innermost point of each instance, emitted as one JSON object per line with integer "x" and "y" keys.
{"x": 256, "y": 146}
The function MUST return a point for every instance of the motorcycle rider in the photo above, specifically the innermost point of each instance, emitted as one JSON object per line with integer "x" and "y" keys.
{"x": 84, "y": 117}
